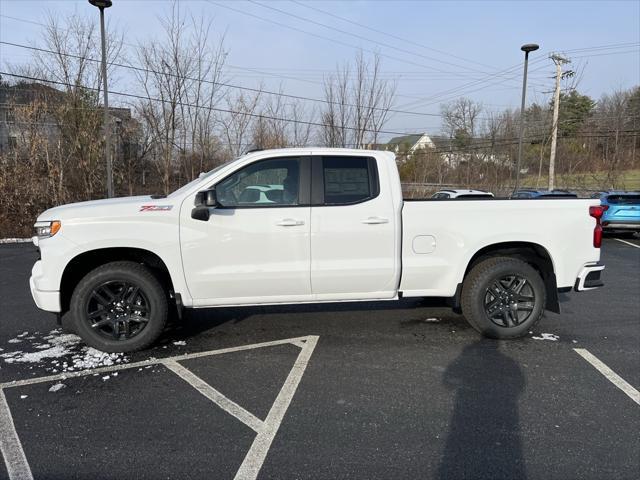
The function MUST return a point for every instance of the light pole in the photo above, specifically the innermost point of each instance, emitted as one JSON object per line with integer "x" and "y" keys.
{"x": 529, "y": 47}
{"x": 102, "y": 4}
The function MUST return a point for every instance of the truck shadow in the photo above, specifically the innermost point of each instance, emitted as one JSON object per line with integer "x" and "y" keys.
{"x": 200, "y": 320}
{"x": 484, "y": 439}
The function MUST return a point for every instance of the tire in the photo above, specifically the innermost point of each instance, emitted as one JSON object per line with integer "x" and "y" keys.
{"x": 119, "y": 307}
{"x": 492, "y": 303}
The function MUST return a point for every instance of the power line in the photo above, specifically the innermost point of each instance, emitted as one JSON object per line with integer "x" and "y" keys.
{"x": 242, "y": 12}
{"x": 216, "y": 109}
{"x": 344, "y": 32}
{"x": 220, "y": 84}
{"x": 389, "y": 34}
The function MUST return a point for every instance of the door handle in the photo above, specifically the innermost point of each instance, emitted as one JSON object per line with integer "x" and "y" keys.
{"x": 290, "y": 222}
{"x": 375, "y": 220}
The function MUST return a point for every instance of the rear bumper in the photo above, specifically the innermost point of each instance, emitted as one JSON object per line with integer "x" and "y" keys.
{"x": 589, "y": 277}
{"x": 609, "y": 225}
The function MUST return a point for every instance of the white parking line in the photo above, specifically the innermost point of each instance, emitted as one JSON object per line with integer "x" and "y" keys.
{"x": 628, "y": 243}
{"x": 18, "y": 467}
{"x": 610, "y": 375}
{"x": 12, "y": 452}
{"x": 154, "y": 361}
{"x": 255, "y": 457}
{"x": 229, "y": 406}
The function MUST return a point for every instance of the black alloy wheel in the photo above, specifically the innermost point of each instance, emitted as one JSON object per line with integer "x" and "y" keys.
{"x": 118, "y": 310}
{"x": 509, "y": 301}
{"x": 119, "y": 307}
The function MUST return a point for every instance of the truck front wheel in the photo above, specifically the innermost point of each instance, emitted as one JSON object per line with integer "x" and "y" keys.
{"x": 503, "y": 297}
{"x": 119, "y": 307}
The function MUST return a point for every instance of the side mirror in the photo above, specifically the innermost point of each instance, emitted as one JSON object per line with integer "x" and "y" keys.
{"x": 201, "y": 213}
{"x": 206, "y": 198}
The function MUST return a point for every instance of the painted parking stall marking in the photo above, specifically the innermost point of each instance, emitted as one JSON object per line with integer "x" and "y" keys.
{"x": 10, "y": 446}
{"x": 609, "y": 374}
{"x": 18, "y": 467}
{"x": 627, "y": 243}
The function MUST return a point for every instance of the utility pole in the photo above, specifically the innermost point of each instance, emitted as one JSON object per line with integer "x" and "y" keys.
{"x": 559, "y": 61}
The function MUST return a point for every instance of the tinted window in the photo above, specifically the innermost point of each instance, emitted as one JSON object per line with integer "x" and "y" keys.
{"x": 262, "y": 184}
{"x": 441, "y": 195}
{"x": 347, "y": 180}
{"x": 625, "y": 199}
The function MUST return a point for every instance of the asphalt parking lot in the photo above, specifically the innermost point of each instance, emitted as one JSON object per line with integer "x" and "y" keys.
{"x": 364, "y": 390}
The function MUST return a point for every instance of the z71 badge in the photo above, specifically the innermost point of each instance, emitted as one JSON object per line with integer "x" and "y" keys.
{"x": 155, "y": 208}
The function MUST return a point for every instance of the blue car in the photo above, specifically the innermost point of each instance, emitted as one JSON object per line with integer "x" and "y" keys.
{"x": 622, "y": 212}
{"x": 531, "y": 193}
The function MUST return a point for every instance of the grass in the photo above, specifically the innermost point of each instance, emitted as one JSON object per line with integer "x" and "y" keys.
{"x": 626, "y": 180}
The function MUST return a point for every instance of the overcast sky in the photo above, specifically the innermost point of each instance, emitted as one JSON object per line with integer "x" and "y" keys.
{"x": 437, "y": 51}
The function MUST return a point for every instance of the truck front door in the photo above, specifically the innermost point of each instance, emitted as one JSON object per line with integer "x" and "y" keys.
{"x": 255, "y": 246}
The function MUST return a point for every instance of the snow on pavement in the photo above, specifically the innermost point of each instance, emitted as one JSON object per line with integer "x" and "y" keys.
{"x": 547, "y": 336}
{"x": 58, "y": 352}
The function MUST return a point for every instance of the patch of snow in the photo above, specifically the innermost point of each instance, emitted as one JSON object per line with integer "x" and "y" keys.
{"x": 431, "y": 320}
{"x": 547, "y": 336}
{"x": 56, "y": 387}
{"x": 61, "y": 352}
{"x": 180, "y": 343}
{"x": 22, "y": 397}
{"x": 106, "y": 377}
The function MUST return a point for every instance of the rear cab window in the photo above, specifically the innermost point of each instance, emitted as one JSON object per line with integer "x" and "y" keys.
{"x": 344, "y": 180}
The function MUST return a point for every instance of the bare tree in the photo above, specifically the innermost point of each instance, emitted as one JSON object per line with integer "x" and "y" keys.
{"x": 181, "y": 79}
{"x": 357, "y": 104}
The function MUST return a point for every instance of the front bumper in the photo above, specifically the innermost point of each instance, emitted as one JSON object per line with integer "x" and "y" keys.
{"x": 48, "y": 300}
{"x": 589, "y": 277}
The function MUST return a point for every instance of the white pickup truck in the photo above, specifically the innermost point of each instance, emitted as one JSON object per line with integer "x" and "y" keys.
{"x": 305, "y": 226}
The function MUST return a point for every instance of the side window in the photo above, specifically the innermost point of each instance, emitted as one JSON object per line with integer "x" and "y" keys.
{"x": 349, "y": 180}
{"x": 262, "y": 184}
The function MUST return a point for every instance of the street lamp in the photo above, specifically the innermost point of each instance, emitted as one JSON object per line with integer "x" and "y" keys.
{"x": 529, "y": 47}
{"x": 102, "y": 4}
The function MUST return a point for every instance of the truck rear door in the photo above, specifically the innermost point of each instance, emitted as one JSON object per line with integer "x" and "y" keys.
{"x": 353, "y": 230}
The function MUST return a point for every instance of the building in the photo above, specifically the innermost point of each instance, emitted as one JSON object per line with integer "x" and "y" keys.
{"x": 21, "y": 95}
{"x": 451, "y": 152}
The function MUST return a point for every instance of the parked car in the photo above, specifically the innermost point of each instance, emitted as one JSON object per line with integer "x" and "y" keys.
{"x": 443, "y": 194}
{"x": 530, "y": 193}
{"x": 342, "y": 232}
{"x": 621, "y": 211}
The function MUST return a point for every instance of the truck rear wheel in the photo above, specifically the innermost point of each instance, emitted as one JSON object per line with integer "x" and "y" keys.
{"x": 503, "y": 297}
{"x": 119, "y": 307}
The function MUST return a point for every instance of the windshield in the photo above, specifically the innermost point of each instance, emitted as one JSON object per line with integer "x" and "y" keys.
{"x": 201, "y": 177}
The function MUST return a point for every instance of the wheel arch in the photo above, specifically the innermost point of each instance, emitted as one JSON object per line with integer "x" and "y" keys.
{"x": 84, "y": 262}
{"x": 532, "y": 253}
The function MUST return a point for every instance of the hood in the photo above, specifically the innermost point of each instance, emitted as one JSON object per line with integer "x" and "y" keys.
{"x": 109, "y": 207}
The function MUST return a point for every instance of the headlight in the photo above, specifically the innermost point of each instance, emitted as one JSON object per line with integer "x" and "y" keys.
{"x": 47, "y": 229}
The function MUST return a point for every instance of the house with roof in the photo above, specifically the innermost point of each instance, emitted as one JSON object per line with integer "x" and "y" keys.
{"x": 407, "y": 146}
